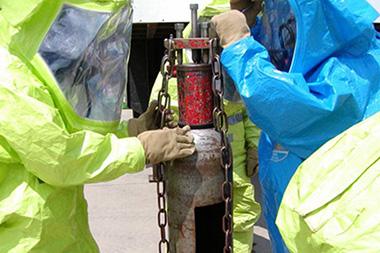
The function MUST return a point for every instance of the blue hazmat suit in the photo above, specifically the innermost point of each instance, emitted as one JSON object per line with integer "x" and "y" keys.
{"x": 311, "y": 71}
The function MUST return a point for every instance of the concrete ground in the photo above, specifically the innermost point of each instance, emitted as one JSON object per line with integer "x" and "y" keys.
{"x": 123, "y": 216}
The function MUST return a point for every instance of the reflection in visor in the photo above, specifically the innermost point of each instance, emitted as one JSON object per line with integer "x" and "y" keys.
{"x": 278, "y": 32}
{"x": 88, "y": 52}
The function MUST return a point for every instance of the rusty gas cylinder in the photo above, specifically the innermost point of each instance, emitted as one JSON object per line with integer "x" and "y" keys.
{"x": 193, "y": 182}
{"x": 195, "y": 96}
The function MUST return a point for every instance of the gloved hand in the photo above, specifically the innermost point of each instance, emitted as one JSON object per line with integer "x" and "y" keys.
{"x": 252, "y": 162}
{"x": 149, "y": 120}
{"x": 230, "y": 27}
{"x": 167, "y": 144}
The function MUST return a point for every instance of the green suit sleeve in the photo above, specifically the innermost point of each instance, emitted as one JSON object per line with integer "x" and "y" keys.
{"x": 37, "y": 135}
{"x": 252, "y": 132}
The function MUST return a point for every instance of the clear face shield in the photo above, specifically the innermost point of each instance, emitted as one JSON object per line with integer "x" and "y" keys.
{"x": 278, "y": 32}
{"x": 88, "y": 51}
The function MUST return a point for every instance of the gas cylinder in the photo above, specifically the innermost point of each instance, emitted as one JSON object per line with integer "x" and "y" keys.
{"x": 193, "y": 193}
{"x": 195, "y": 204}
{"x": 194, "y": 184}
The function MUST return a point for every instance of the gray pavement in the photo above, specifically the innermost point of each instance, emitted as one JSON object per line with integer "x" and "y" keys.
{"x": 123, "y": 215}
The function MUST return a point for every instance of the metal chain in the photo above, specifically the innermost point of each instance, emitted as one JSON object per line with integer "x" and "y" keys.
{"x": 158, "y": 172}
{"x": 159, "y": 169}
{"x": 221, "y": 126}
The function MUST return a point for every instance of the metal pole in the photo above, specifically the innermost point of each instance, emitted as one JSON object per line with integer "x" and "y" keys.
{"x": 194, "y": 20}
{"x": 194, "y": 30}
{"x": 179, "y": 34}
{"x": 204, "y": 34}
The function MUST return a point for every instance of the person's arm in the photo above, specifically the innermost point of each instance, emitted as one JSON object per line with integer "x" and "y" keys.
{"x": 252, "y": 135}
{"x": 298, "y": 115}
{"x": 252, "y": 132}
{"x": 37, "y": 135}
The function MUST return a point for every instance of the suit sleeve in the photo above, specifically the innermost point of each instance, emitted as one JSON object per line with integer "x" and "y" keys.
{"x": 297, "y": 113}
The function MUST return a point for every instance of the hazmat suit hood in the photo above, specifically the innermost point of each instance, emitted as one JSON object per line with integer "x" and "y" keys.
{"x": 292, "y": 27}
{"x": 324, "y": 28}
{"x": 79, "y": 48}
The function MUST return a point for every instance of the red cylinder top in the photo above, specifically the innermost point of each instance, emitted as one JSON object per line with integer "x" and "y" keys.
{"x": 195, "y": 96}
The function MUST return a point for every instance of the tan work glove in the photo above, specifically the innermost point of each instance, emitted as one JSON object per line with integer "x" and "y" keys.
{"x": 167, "y": 144}
{"x": 149, "y": 120}
{"x": 230, "y": 27}
{"x": 252, "y": 162}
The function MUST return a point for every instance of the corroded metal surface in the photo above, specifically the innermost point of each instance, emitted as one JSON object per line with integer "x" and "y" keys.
{"x": 193, "y": 182}
{"x": 191, "y": 43}
{"x": 195, "y": 96}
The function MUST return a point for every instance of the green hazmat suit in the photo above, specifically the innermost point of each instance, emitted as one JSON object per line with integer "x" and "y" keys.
{"x": 330, "y": 203}
{"x": 243, "y": 135}
{"x": 47, "y": 149}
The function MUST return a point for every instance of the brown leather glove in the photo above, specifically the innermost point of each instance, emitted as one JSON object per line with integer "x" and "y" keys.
{"x": 230, "y": 27}
{"x": 149, "y": 120}
{"x": 252, "y": 162}
{"x": 167, "y": 144}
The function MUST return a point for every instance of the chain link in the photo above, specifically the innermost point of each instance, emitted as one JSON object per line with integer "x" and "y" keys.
{"x": 221, "y": 126}
{"x": 162, "y": 217}
{"x": 159, "y": 169}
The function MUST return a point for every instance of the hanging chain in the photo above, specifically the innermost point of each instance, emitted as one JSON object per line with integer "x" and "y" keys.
{"x": 162, "y": 216}
{"x": 221, "y": 126}
{"x": 159, "y": 169}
